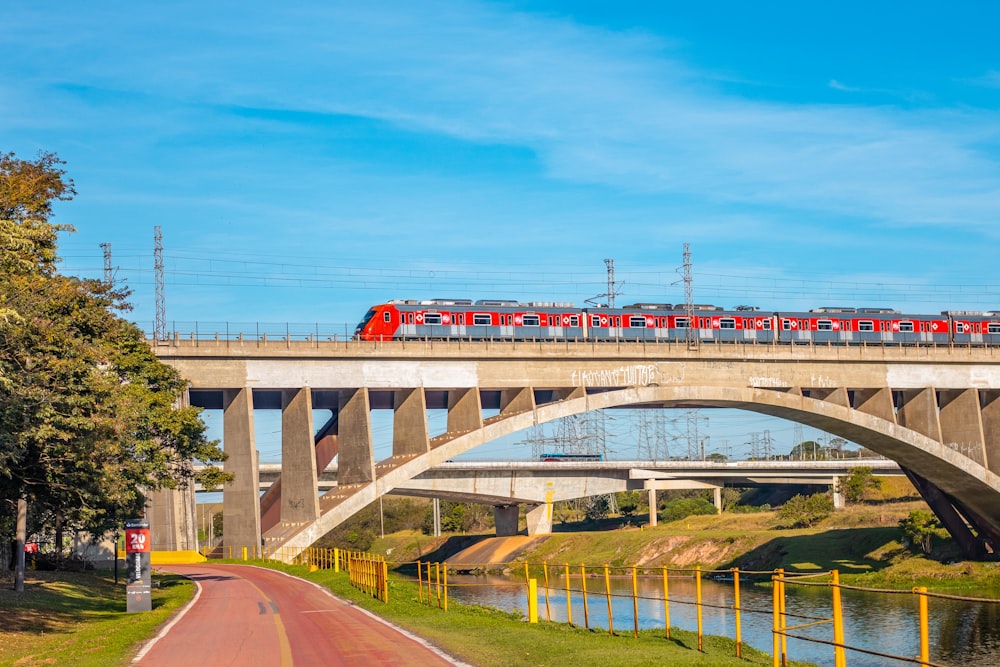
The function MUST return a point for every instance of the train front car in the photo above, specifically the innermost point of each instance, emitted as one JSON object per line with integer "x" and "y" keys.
{"x": 380, "y": 323}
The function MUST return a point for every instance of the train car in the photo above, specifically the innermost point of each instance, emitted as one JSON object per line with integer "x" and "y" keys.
{"x": 666, "y": 322}
{"x": 496, "y": 319}
{"x": 848, "y": 325}
{"x": 974, "y": 327}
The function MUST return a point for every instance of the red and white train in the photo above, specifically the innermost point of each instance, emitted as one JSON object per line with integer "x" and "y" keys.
{"x": 494, "y": 319}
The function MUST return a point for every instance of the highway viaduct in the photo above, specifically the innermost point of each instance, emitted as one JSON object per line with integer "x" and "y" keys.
{"x": 933, "y": 410}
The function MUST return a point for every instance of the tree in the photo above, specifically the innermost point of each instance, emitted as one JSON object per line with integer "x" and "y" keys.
{"x": 88, "y": 416}
{"x": 857, "y": 484}
{"x": 809, "y": 450}
{"x": 802, "y": 511}
{"x": 919, "y": 528}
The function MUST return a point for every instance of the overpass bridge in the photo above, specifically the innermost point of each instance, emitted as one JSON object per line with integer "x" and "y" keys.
{"x": 933, "y": 410}
{"x": 537, "y": 484}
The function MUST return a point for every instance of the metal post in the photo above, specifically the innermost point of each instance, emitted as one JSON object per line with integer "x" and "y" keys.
{"x": 925, "y": 652}
{"x": 839, "y": 656}
{"x": 736, "y": 607}
{"x": 569, "y": 599}
{"x": 697, "y": 588}
{"x": 607, "y": 592}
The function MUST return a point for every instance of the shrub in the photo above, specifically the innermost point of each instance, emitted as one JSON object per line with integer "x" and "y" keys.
{"x": 685, "y": 507}
{"x": 919, "y": 528}
{"x": 802, "y": 511}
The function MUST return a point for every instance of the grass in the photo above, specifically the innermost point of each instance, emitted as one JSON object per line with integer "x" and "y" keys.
{"x": 79, "y": 618}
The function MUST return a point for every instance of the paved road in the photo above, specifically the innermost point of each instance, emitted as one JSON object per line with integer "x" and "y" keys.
{"x": 252, "y": 616}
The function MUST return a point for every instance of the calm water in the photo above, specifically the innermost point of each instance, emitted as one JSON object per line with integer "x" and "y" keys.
{"x": 966, "y": 634}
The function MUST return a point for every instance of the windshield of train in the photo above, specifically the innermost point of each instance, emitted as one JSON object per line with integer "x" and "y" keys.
{"x": 364, "y": 320}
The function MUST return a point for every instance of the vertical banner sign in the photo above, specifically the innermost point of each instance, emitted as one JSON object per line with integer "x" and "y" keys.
{"x": 137, "y": 551}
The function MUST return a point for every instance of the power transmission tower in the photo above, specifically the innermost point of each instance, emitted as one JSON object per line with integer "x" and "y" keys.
{"x": 161, "y": 302}
{"x": 652, "y": 435}
{"x": 691, "y": 332}
{"x": 109, "y": 277}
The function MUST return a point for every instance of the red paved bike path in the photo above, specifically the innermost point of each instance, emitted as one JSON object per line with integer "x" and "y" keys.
{"x": 252, "y": 616}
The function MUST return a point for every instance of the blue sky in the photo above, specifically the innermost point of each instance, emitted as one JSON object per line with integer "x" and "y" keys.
{"x": 306, "y": 161}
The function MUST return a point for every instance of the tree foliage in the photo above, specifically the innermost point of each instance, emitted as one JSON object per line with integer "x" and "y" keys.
{"x": 89, "y": 421}
{"x": 919, "y": 528}
{"x": 805, "y": 511}
{"x": 858, "y": 483}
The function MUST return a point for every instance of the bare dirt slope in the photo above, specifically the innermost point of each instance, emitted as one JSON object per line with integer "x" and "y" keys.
{"x": 494, "y": 550}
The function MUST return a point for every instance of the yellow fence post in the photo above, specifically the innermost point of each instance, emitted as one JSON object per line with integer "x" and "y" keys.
{"x": 336, "y": 560}
{"x": 532, "y": 601}
{"x": 666, "y": 601}
{"x": 420, "y": 582}
{"x": 545, "y": 575}
{"x": 925, "y": 652}
{"x": 569, "y": 598}
{"x": 736, "y": 608}
{"x": 697, "y": 590}
{"x": 635, "y": 602}
{"x": 437, "y": 581}
{"x": 586, "y": 609}
{"x": 244, "y": 553}
{"x": 776, "y": 622}
{"x": 446, "y": 586}
{"x": 839, "y": 655}
{"x": 607, "y": 592}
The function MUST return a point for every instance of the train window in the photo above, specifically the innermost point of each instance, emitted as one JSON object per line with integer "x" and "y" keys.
{"x": 993, "y": 328}
{"x": 906, "y": 327}
{"x": 595, "y": 321}
{"x": 432, "y": 318}
{"x": 574, "y": 320}
{"x": 460, "y": 318}
{"x": 681, "y": 323}
{"x": 866, "y": 325}
{"x": 637, "y": 321}
{"x": 765, "y": 324}
{"x": 387, "y": 316}
{"x": 481, "y": 319}
{"x": 530, "y": 320}
{"x": 786, "y": 325}
{"x": 824, "y": 325}
{"x": 727, "y": 323}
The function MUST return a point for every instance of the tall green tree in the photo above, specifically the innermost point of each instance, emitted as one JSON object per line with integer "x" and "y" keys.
{"x": 89, "y": 418}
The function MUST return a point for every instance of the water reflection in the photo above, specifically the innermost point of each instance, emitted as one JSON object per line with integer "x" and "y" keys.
{"x": 961, "y": 633}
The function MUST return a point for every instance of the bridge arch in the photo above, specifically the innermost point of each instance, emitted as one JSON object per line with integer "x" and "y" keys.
{"x": 968, "y": 485}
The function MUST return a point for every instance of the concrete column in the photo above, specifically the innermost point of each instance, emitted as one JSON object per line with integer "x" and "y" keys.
{"x": 539, "y": 518}
{"x": 836, "y": 396}
{"x": 838, "y": 497}
{"x": 991, "y": 428}
{"x": 505, "y": 517}
{"x": 241, "y": 497}
{"x": 919, "y": 412}
{"x": 299, "y": 484}
{"x": 875, "y": 402}
{"x": 171, "y": 519}
{"x": 437, "y": 517}
{"x": 356, "y": 457}
{"x": 652, "y": 507}
{"x": 962, "y": 424}
{"x": 409, "y": 423}
{"x": 717, "y": 499}
{"x": 465, "y": 411}
{"x": 515, "y": 401}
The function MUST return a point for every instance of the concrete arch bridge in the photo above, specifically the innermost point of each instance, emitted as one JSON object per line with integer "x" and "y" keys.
{"x": 933, "y": 410}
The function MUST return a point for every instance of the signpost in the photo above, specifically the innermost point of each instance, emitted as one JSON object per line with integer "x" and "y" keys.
{"x": 138, "y": 590}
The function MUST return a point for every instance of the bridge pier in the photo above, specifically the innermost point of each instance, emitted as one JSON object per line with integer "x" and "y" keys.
{"x": 652, "y": 507}
{"x": 241, "y": 497}
{"x": 299, "y": 500}
{"x": 505, "y": 518}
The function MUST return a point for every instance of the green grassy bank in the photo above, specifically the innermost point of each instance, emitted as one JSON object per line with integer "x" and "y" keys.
{"x": 79, "y": 618}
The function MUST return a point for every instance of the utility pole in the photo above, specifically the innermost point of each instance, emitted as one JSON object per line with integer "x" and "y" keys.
{"x": 161, "y": 303}
{"x": 610, "y": 263}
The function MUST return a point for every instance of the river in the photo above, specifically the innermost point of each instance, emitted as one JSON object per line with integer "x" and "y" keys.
{"x": 961, "y": 633}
